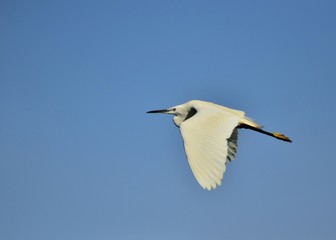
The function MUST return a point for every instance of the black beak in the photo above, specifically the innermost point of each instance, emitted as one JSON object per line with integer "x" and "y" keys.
{"x": 159, "y": 111}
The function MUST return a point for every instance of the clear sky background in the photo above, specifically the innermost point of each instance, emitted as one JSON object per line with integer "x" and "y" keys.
{"x": 80, "y": 158}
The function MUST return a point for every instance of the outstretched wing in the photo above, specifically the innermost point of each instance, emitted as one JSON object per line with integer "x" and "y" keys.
{"x": 210, "y": 139}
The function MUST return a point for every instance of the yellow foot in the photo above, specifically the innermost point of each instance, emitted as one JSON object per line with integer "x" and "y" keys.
{"x": 281, "y": 136}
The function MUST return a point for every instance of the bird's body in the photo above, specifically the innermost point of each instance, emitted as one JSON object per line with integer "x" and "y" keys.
{"x": 210, "y": 134}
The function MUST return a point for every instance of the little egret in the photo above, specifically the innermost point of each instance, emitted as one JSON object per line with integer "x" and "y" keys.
{"x": 210, "y": 134}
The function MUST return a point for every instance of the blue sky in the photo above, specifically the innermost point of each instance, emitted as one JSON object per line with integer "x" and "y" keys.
{"x": 80, "y": 159}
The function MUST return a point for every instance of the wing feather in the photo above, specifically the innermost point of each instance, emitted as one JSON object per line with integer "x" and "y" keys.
{"x": 210, "y": 140}
{"x": 232, "y": 145}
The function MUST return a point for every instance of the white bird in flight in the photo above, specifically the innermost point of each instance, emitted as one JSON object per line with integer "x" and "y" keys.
{"x": 210, "y": 134}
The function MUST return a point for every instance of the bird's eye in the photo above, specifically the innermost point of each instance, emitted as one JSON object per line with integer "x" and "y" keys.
{"x": 174, "y": 109}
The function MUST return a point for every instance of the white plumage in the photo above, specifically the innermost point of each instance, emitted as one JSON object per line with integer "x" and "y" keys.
{"x": 210, "y": 134}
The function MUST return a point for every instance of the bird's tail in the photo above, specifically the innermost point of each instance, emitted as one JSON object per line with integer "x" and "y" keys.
{"x": 249, "y": 122}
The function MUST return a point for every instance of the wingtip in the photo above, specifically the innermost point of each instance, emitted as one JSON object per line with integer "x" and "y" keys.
{"x": 210, "y": 187}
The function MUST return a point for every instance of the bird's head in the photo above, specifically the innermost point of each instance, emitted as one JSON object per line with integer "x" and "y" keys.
{"x": 181, "y": 113}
